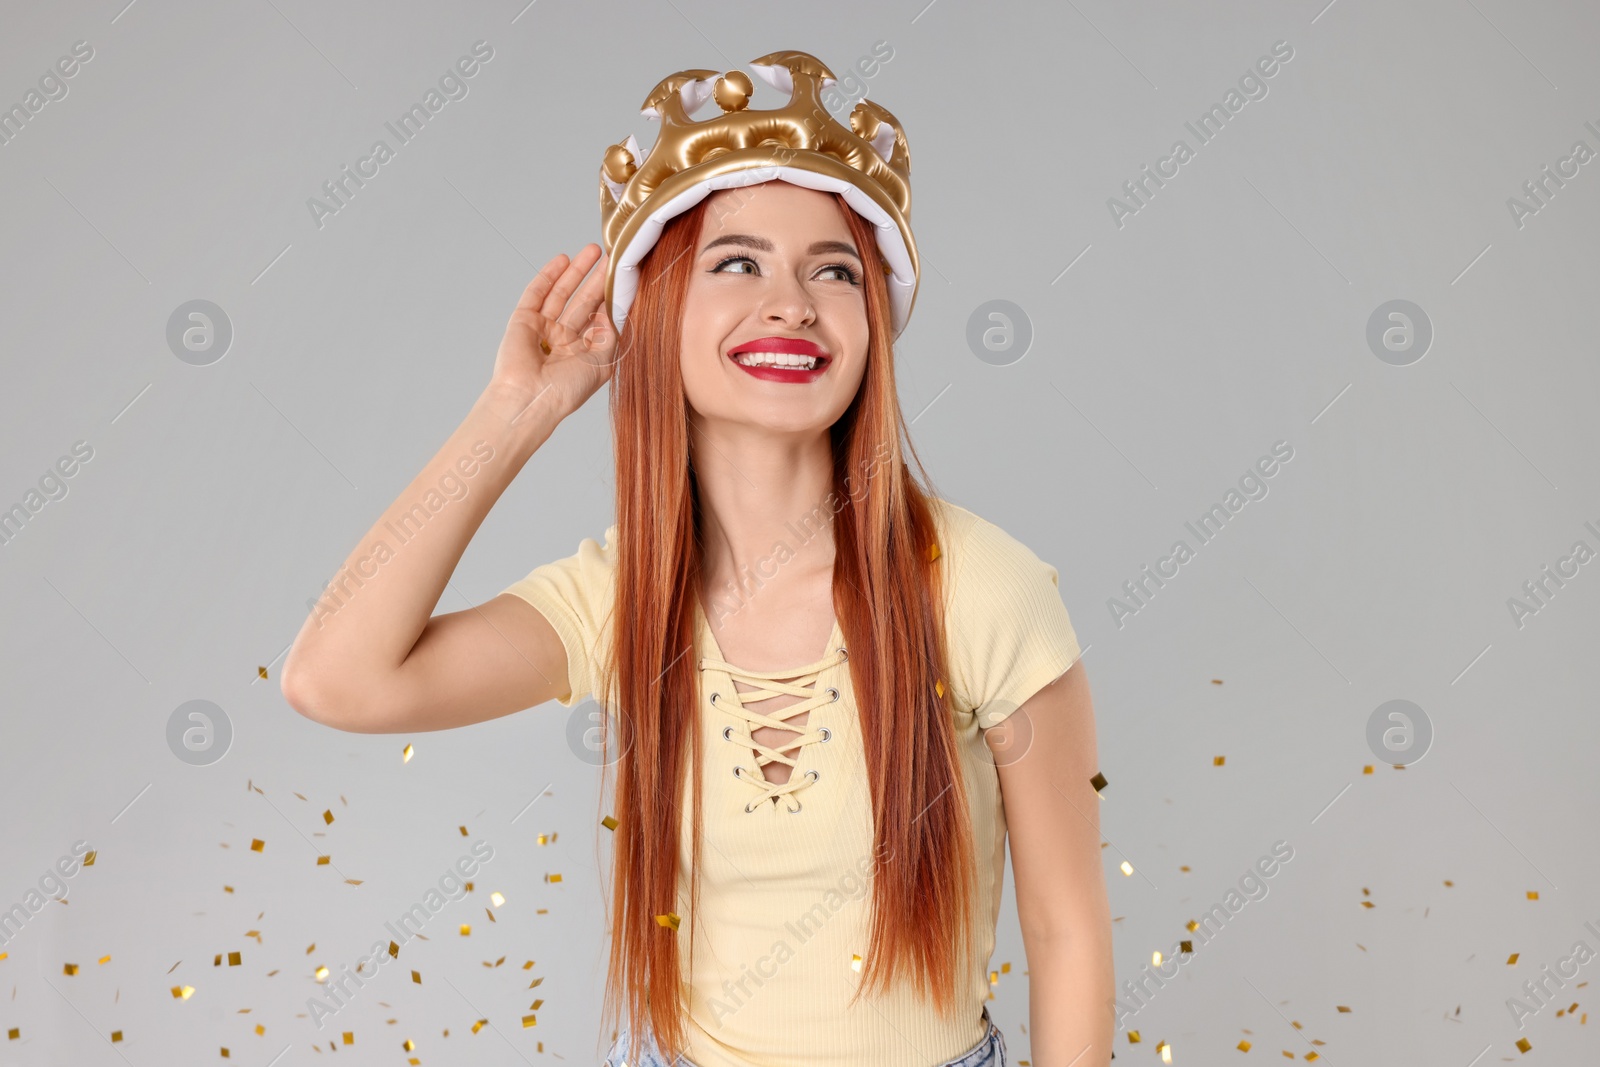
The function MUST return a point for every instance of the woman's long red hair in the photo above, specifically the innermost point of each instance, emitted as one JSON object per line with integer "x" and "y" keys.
{"x": 888, "y": 600}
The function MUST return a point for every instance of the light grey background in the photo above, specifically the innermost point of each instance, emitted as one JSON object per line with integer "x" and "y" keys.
{"x": 1230, "y": 312}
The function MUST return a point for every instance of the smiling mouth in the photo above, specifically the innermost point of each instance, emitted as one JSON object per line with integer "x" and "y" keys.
{"x": 780, "y": 360}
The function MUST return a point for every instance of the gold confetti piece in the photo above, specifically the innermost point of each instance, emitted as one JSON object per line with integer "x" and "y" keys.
{"x": 1243, "y": 1046}
{"x": 405, "y": 754}
{"x": 1166, "y": 1052}
{"x": 609, "y": 823}
{"x": 216, "y": 961}
{"x": 1005, "y": 968}
{"x": 1533, "y": 894}
{"x": 469, "y": 889}
{"x": 490, "y": 914}
{"x": 1098, "y": 781}
{"x": 1216, "y": 761}
{"x": 349, "y": 1038}
{"x": 497, "y": 898}
{"x": 994, "y": 977}
{"x": 227, "y": 889}
{"x": 182, "y": 992}
{"x": 417, "y": 978}
{"x": 1216, "y": 681}
{"x": 1367, "y": 769}
{"x": 102, "y": 960}
{"x": 1192, "y": 926}
{"x": 669, "y": 919}
{"x": 1186, "y": 946}
{"x": 1513, "y": 958}
{"x": 529, "y": 1020}
{"x": 1184, "y": 868}
{"x": 1448, "y": 882}
{"x": 409, "y": 1045}
{"x": 1523, "y": 1044}
{"x": 394, "y": 950}
{"x": 463, "y": 831}
{"x": 358, "y": 881}
{"x": 70, "y": 968}
{"x": 256, "y": 844}
{"x": 536, "y": 1005}
{"x": 1127, "y": 868}
{"x": 479, "y": 1025}
{"x": 537, "y": 981}
{"x": 855, "y": 963}
{"x": 1155, "y": 958}
{"x": 116, "y": 1035}
{"x": 261, "y": 672}
{"x": 88, "y": 858}
{"x": 933, "y": 552}
{"x": 1368, "y": 904}
{"x": 466, "y": 929}
{"x": 225, "y": 1053}
{"x": 938, "y": 688}
{"x": 327, "y": 816}
{"x": 1311, "y": 1056}
{"x": 13, "y": 1033}
{"x": 552, "y": 878}
{"x": 260, "y": 1030}
{"x": 1133, "y": 1037}
{"x": 235, "y": 958}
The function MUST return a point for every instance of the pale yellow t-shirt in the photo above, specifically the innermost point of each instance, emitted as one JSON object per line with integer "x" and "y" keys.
{"x": 785, "y": 893}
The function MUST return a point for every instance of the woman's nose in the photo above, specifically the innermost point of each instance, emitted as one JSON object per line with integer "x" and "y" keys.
{"x": 786, "y": 300}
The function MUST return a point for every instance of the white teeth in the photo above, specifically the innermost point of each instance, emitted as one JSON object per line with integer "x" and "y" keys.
{"x": 776, "y": 359}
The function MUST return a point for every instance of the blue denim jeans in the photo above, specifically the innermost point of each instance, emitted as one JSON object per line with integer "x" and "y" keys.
{"x": 990, "y": 1052}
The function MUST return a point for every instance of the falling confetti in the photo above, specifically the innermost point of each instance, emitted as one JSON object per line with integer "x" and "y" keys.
{"x": 669, "y": 919}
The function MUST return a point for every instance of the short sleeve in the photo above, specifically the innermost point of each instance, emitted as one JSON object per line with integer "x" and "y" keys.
{"x": 1008, "y": 629}
{"x": 576, "y": 594}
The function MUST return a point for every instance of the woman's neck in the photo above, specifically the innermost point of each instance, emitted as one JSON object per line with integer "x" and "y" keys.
{"x": 764, "y": 503}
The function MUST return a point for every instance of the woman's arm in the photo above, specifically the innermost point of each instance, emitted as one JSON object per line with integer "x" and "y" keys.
{"x": 370, "y": 659}
{"x": 1045, "y": 754}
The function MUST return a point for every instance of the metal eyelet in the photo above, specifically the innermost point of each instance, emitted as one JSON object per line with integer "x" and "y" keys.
{"x": 727, "y": 733}
{"x": 796, "y": 809}
{"x": 748, "y": 810}
{"x": 814, "y": 775}
{"x": 736, "y": 771}
{"x": 844, "y": 650}
{"x": 714, "y": 697}
{"x": 827, "y": 734}
{"x": 835, "y": 693}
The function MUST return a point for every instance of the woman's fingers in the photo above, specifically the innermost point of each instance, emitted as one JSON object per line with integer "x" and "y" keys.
{"x": 556, "y": 301}
{"x": 533, "y": 297}
{"x": 581, "y": 308}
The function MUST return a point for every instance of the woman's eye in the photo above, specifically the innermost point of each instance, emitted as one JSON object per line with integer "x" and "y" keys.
{"x": 843, "y": 272}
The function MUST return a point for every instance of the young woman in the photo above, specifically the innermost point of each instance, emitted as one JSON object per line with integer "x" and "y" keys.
{"x": 835, "y": 694}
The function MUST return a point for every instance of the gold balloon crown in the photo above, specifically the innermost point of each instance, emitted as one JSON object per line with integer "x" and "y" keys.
{"x": 868, "y": 163}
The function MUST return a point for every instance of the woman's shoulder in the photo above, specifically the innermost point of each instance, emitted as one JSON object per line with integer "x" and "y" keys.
{"x": 968, "y": 537}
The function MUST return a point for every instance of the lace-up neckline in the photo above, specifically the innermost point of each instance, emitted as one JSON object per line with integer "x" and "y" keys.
{"x": 742, "y": 708}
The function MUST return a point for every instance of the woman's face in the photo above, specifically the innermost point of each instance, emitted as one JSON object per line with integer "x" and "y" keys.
{"x": 776, "y": 276}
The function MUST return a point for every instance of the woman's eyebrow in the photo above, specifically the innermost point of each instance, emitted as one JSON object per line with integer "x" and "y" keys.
{"x": 761, "y": 244}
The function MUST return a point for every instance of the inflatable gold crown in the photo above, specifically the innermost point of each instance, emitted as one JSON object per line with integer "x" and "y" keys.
{"x": 800, "y": 143}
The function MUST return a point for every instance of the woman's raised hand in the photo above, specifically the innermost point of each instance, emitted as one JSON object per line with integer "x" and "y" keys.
{"x": 560, "y": 339}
